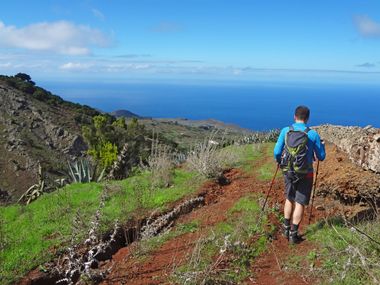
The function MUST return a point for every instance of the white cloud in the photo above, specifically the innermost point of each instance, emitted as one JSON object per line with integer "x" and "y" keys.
{"x": 366, "y": 26}
{"x": 98, "y": 14}
{"x": 104, "y": 66}
{"x": 77, "y": 66}
{"x": 59, "y": 37}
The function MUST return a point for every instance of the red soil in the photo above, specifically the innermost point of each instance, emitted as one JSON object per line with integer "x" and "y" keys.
{"x": 160, "y": 263}
{"x": 173, "y": 253}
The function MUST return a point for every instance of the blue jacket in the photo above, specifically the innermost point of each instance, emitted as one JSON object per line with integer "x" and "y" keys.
{"x": 314, "y": 144}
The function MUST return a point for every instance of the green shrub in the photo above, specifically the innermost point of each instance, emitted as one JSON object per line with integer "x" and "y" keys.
{"x": 25, "y": 87}
{"x": 40, "y": 94}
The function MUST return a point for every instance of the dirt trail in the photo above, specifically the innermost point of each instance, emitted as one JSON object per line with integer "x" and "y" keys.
{"x": 159, "y": 265}
{"x": 157, "y": 268}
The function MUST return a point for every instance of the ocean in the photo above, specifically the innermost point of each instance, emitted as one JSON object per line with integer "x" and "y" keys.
{"x": 260, "y": 106}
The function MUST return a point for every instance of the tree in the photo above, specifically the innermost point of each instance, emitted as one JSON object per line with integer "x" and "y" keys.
{"x": 40, "y": 94}
{"x": 23, "y": 77}
{"x": 120, "y": 123}
{"x": 133, "y": 127}
{"x": 107, "y": 154}
{"x": 25, "y": 87}
{"x": 101, "y": 138}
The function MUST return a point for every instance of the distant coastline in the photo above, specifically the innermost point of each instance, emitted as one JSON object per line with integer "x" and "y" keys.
{"x": 250, "y": 107}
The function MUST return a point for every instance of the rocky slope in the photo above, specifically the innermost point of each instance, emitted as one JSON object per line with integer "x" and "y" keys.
{"x": 32, "y": 131}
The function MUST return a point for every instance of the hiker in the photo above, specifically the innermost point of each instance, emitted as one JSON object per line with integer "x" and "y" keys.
{"x": 296, "y": 149}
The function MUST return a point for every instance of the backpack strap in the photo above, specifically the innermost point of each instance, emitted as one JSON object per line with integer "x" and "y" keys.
{"x": 307, "y": 129}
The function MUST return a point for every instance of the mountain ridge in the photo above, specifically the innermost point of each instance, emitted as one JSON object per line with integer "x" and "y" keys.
{"x": 124, "y": 113}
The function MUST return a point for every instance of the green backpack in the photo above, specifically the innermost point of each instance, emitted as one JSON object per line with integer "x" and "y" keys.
{"x": 294, "y": 155}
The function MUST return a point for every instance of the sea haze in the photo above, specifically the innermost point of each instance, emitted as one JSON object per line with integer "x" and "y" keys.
{"x": 258, "y": 107}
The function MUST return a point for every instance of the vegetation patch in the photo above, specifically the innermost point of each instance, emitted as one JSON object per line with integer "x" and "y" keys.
{"x": 247, "y": 155}
{"x": 351, "y": 254}
{"x": 344, "y": 255}
{"x": 209, "y": 160}
{"x": 225, "y": 255}
{"x": 34, "y": 233}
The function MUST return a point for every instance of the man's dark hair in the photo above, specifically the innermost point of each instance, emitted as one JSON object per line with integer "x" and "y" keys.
{"x": 302, "y": 113}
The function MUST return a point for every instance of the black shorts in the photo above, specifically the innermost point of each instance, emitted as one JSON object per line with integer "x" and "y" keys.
{"x": 300, "y": 191}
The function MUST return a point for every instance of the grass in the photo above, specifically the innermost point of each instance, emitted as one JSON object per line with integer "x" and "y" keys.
{"x": 348, "y": 257}
{"x": 247, "y": 154}
{"x": 33, "y": 234}
{"x": 267, "y": 170}
{"x": 253, "y": 152}
{"x": 236, "y": 241}
{"x": 335, "y": 258}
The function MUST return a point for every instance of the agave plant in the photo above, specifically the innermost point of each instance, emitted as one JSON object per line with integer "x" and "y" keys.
{"x": 35, "y": 190}
{"x": 60, "y": 182}
{"x": 81, "y": 171}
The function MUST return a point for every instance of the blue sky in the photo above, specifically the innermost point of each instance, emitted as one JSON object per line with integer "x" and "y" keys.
{"x": 196, "y": 40}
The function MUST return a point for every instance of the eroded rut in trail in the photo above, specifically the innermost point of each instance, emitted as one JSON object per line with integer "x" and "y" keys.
{"x": 122, "y": 237}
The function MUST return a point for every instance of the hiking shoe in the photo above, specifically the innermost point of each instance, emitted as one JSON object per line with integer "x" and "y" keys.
{"x": 294, "y": 237}
{"x": 286, "y": 231}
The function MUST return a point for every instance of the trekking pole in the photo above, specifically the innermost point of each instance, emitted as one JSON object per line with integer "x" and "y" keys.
{"x": 270, "y": 188}
{"x": 314, "y": 187}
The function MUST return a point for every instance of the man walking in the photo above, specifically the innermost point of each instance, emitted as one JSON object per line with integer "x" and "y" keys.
{"x": 295, "y": 150}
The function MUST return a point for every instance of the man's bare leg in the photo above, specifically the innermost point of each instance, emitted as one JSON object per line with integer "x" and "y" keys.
{"x": 297, "y": 214}
{"x": 288, "y": 209}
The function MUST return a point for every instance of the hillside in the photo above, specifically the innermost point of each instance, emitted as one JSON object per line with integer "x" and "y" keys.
{"x": 186, "y": 133}
{"x": 39, "y": 127}
{"x": 36, "y": 126}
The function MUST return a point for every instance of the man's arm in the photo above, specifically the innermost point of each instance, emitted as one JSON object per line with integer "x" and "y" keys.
{"x": 279, "y": 145}
{"x": 319, "y": 148}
